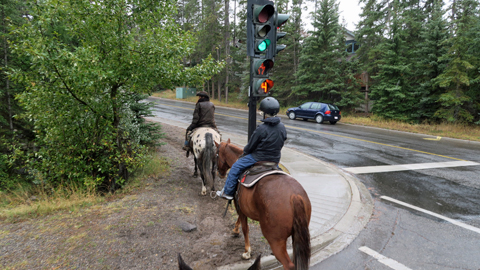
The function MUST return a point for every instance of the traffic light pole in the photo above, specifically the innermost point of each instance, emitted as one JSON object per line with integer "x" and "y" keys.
{"x": 252, "y": 107}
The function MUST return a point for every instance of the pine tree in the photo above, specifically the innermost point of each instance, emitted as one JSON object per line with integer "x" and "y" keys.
{"x": 286, "y": 62}
{"x": 460, "y": 101}
{"x": 429, "y": 67}
{"x": 321, "y": 58}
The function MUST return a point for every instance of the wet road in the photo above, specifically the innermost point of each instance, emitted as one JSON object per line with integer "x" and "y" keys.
{"x": 438, "y": 175}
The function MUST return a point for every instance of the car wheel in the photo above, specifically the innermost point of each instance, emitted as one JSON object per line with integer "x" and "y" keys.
{"x": 333, "y": 122}
{"x": 292, "y": 115}
{"x": 319, "y": 118}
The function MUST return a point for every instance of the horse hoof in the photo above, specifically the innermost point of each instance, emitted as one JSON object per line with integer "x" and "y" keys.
{"x": 195, "y": 175}
{"x": 246, "y": 256}
{"x": 235, "y": 235}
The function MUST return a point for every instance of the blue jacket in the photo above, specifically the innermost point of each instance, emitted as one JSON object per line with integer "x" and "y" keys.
{"x": 267, "y": 140}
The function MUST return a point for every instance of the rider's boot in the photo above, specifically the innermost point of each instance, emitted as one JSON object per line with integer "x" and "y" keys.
{"x": 186, "y": 147}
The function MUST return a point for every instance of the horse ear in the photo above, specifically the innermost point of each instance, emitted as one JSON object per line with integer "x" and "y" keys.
{"x": 182, "y": 265}
{"x": 256, "y": 265}
{"x": 216, "y": 144}
{"x": 228, "y": 141}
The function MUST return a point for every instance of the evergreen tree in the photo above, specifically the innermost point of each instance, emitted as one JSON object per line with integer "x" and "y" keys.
{"x": 460, "y": 101}
{"x": 393, "y": 90}
{"x": 429, "y": 66}
{"x": 321, "y": 57}
{"x": 287, "y": 61}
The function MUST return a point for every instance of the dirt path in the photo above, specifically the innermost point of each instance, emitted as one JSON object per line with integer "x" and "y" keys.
{"x": 142, "y": 230}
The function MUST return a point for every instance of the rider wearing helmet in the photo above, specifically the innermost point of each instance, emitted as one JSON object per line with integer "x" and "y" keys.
{"x": 265, "y": 144}
{"x": 203, "y": 116}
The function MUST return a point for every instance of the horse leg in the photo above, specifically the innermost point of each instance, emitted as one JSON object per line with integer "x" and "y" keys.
{"x": 279, "y": 250}
{"x": 248, "y": 249}
{"x": 195, "y": 173}
{"x": 214, "y": 172}
{"x": 236, "y": 230}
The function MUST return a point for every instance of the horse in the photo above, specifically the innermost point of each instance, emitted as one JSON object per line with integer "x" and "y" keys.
{"x": 279, "y": 203}
{"x": 204, "y": 151}
{"x": 183, "y": 266}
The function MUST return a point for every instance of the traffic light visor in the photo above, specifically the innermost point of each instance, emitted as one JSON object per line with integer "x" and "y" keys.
{"x": 263, "y": 13}
{"x": 282, "y": 19}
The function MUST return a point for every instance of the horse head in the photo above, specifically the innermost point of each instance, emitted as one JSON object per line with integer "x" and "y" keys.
{"x": 222, "y": 165}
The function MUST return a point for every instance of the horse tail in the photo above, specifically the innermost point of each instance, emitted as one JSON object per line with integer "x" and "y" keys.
{"x": 208, "y": 154}
{"x": 301, "y": 234}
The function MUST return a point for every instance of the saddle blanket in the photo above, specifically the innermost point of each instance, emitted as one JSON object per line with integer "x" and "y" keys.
{"x": 198, "y": 138}
{"x": 249, "y": 180}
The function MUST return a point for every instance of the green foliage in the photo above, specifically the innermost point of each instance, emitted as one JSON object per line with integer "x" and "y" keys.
{"x": 324, "y": 74}
{"x": 90, "y": 63}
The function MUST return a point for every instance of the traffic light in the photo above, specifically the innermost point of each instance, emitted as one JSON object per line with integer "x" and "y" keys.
{"x": 279, "y": 20}
{"x": 260, "y": 26}
{"x": 261, "y": 85}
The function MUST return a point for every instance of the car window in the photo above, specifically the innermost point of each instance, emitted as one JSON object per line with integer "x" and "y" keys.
{"x": 316, "y": 106}
{"x": 333, "y": 107}
{"x": 306, "y": 105}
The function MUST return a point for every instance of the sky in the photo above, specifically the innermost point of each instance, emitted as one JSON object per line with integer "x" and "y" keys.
{"x": 349, "y": 10}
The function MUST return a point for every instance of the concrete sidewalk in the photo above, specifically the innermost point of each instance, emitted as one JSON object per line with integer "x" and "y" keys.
{"x": 341, "y": 205}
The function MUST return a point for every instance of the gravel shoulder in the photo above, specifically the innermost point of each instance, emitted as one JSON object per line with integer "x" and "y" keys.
{"x": 145, "y": 229}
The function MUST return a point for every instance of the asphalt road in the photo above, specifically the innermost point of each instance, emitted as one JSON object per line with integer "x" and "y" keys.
{"x": 426, "y": 189}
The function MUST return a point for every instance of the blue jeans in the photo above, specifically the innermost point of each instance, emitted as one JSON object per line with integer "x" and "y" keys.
{"x": 237, "y": 169}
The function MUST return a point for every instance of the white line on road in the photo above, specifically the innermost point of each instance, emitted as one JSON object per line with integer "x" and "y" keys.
{"x": 385, "y": 260}
{"x": 408, "y": 167}
{"x": 458, "y": 223}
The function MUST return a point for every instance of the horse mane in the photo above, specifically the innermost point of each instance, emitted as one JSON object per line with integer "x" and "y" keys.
{"x": 237, "y": 151}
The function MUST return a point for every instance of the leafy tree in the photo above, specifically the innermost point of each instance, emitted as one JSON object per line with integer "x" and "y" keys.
{"x": 89, "y": 62}
{"x": 15, "y": 132}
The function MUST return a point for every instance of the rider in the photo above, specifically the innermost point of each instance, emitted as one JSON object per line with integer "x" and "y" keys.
{"x": 265, "y": 144}
{"x": 203, "y": 116}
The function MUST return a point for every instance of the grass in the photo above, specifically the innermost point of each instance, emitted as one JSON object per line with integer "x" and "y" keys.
{"x": 457, "y": 131}
{"x": 43, "y": 200}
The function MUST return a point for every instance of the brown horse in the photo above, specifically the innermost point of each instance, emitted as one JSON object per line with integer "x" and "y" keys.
{"x": 280, "y": 204}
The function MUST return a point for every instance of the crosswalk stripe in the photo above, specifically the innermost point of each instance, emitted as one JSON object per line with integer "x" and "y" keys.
{"x": 384, "y": 260}
{"x": 408, "y": 167}
{"x": 455, "y": 222}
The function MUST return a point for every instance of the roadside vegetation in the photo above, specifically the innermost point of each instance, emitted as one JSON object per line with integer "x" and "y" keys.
{"x": 451, "y": 130}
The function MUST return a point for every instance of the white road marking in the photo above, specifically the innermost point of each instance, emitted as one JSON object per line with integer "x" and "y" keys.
{"x": 433, "y": 139}
{"x": 408, "y": 167}
{"x": 455, "y": 222}
{"x": 385, "y": 260}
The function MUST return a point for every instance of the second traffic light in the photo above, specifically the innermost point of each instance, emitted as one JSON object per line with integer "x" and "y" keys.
{"x": 261, "y": 85}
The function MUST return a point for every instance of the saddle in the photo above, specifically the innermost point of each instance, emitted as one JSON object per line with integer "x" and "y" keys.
{"x": 259, "y": 170}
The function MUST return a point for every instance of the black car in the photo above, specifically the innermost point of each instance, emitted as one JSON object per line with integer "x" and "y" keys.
{"x": 316, "y": 110}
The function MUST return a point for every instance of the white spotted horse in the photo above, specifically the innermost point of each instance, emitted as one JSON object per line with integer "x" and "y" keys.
{"x": 204, "y": 150}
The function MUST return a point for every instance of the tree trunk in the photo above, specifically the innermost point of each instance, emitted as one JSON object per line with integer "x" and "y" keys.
{"x": 227, "y": 47}
{"x": 219, "y": 91}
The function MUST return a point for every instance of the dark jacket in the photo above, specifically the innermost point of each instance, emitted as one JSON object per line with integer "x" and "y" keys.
{"x": 267, "y": 140}
{"x": 204, "y": 115}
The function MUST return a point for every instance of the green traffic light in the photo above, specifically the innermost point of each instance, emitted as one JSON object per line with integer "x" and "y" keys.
{"x": 263, "y": 45}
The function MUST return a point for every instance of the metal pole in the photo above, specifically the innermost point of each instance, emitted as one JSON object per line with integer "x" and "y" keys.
{"x": 252, "y": 106}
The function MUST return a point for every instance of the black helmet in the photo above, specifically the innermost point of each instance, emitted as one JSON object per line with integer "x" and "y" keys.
{"x": 203, "y": 94}
{"x": 269, "y": 105}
